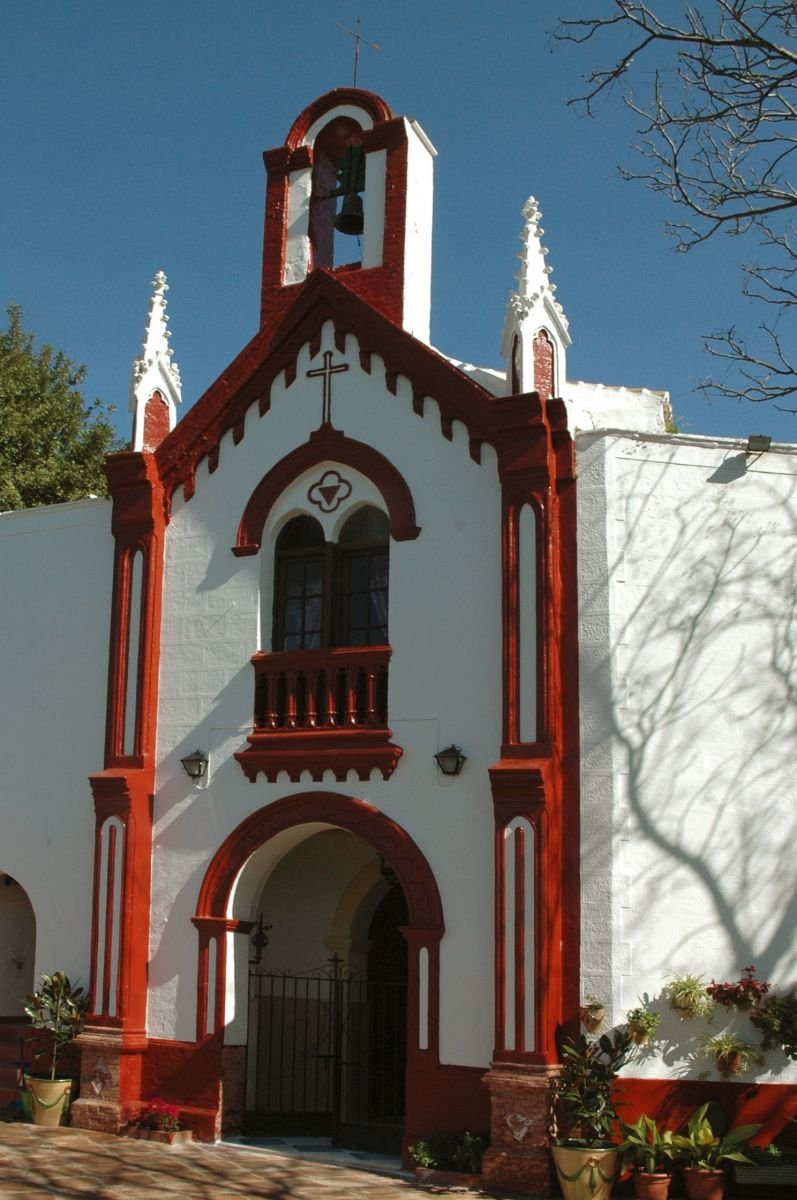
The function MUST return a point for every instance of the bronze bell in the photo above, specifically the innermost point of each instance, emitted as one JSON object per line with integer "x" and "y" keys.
{"x": 350, "y": 218}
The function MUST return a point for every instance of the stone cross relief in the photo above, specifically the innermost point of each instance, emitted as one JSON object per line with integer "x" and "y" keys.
{"x": 326, "y": 372}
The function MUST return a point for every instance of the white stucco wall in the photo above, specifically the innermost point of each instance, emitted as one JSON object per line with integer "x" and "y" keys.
{"x": 689, "y": 725}
{"x": 55, "y": 601}
{"x": 445, "y": 683}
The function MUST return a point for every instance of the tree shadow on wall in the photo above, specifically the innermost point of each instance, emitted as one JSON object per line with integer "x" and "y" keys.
{"x": 700, "y": 696}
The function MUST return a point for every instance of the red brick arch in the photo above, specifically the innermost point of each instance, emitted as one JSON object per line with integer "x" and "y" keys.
{"x": 423, "y": 930}
{"x": 328, "y": 445}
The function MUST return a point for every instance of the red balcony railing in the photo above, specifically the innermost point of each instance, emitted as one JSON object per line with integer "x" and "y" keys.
{"x": 319, "y": 710}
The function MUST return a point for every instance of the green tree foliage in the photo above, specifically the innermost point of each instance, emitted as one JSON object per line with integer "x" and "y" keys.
{"x": 52, "y": 443}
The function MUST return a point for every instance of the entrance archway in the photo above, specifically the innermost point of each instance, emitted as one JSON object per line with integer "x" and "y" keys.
{"x": 390, "y": 857}
{"x": 17, "y": 946}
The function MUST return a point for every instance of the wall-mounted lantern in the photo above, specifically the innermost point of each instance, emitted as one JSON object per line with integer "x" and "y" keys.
{"x": 451, "y": 760}
{"x": 195, "y": 765}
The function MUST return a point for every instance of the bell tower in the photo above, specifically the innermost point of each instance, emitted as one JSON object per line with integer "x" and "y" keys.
{"x": 350, "y": 191}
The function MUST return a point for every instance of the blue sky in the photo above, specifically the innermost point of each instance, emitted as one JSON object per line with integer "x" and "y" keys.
{"x": 132, "y": 141}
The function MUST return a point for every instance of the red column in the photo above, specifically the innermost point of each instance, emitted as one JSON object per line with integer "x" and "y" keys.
{"x": 115, "y": 1036}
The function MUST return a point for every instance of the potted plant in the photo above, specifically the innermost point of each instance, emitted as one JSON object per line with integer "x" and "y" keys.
{"x": 582, "y": 1114}
{"x": 732, "y": 1055}
{"x": 158, "y": 1121}
{"x": 704, "y": 1152}
{"x": 744, "y": 993}
{"x": 59, "y": 1008}
{"x": 688, "y": 996}
{"x": 776, "y": 1017}
{"x": 592, "y": 1014}
{"x": 642, "y": 1024}
{"x": 648, "y": 1153}
{"x": 449, "y": 1159}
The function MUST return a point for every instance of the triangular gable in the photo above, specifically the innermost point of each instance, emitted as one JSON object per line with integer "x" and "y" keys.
{"x": 249, "y": 377}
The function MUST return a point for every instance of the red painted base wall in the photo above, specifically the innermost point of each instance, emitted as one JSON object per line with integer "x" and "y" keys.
{"x": 448, "y": 1099}
{"x": 672, "y": 1101}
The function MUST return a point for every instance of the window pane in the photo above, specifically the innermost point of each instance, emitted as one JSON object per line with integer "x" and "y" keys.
{"x": 358, "y": 611}
{"x": 379, "y": 571}
{"x": 367, "y": 525}
{"x": 312, "y": 614}
{"x": 378, "y": 609}
{"x": 294, "y": 579}
{"x": 358, "y": 573}
{"x": 314, "y": 582}
{"x": 293, "y": 616}
{"x": 301, "y": 532}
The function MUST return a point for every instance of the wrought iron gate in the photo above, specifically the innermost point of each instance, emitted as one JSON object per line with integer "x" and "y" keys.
{"x": 328, "y": 1051}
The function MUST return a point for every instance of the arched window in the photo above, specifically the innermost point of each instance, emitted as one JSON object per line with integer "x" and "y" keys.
{"x": 332, "y": 595}
{"x": 301, "y": 582}
{"x": 363, "y": 549}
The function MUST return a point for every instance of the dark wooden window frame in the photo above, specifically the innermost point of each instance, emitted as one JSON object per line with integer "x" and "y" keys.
{"x": 336, "y": 559}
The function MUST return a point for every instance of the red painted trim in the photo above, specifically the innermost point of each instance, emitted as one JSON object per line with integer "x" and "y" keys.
{"x": 156, "y": 420}
{"x": 124, "y": 788}
{"x": 317, "y": 751}
{"x": 328, "y": 445}
{"x": 539, "y": 780}
{"x": 247, "y": 381}
{"x": 672, "y": 1101}
{"x": 369, "y": 102}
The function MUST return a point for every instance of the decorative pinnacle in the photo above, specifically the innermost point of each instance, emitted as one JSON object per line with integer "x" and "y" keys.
{"x": 155, "y": 349}
{"x": 533, "y": 281}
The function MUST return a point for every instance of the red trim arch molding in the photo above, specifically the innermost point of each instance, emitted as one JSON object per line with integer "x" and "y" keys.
{"x": 423, "y": 931}
{"x": 328, "y": 445}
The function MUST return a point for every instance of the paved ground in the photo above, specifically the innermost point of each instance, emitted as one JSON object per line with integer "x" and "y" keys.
{"x": 74, "y": 1165}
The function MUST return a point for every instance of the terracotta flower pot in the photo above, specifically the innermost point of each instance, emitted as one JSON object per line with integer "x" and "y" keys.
{"x": 651, "y": 1187}
{"x": 592, "y": 1017}
{"x": 730, "y": 1063}
{"x": 702, "y": 1184}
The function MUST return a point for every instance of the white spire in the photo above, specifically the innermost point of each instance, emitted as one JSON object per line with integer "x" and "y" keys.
{"x": 533, "y": 307}
{"x": 154, "y": 369}
{"x": 534, "y": 284}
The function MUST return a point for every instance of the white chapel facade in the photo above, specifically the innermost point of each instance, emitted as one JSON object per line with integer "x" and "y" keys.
{"x": 350, "y": 554}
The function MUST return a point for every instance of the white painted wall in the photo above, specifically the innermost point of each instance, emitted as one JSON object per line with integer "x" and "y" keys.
{"x": 688, "y": 677}
{"x": 55, "y": 604}
{"x": 445, "y": 682}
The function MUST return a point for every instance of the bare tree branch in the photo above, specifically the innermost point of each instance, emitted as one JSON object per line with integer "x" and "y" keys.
{"x": 719, "y": 140}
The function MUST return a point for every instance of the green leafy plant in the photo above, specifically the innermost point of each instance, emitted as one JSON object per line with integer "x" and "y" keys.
{"x": 646, "y": 1148}
{"x": 59, "y": 1007}
{"x": 643, "y": 1024}
{"x": 688, "y": 996}
{"x": 733, "y": 1056}
{"x": 451, "y": 1152}
{"x": 580, "y": 1106}
{"x": 776, "y": 1017}
{"x": 702, "y": 1147}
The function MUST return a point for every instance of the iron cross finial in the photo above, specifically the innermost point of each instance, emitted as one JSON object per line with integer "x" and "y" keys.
{"x": 326, "y": 372}
{"x": 358, "y": 38}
